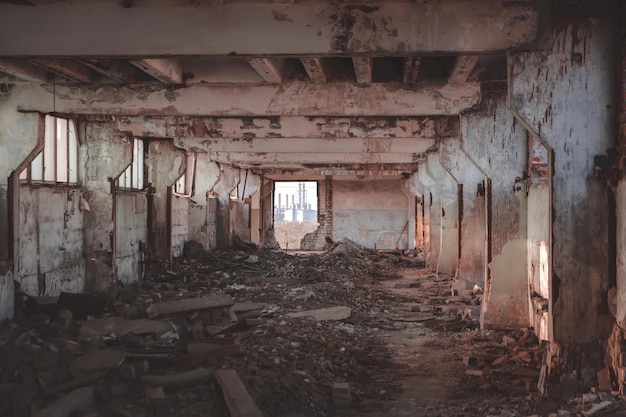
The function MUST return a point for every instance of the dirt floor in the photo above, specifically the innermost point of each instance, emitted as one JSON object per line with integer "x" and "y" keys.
{"x": 252, "y": 332}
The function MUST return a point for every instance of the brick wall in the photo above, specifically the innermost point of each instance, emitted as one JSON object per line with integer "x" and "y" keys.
{"x": 316, "y": 240}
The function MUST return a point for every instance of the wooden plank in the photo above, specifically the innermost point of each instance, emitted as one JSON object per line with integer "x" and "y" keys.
{"x": 118, "y": 325}
{"x": 189, "y": 304}
{"x": 331, "y": 313}
{"x": 236, "y": 396}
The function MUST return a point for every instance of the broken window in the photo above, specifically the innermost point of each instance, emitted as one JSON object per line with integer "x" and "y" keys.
{"x": 184, "y": 185}
{"x": 295, "y": 211}
{"x": 133, "y": 177}
{"x": 58, "y": 161}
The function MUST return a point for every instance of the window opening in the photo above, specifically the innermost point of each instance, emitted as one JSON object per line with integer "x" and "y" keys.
{"x": 184, "y": 185}
{"x": 133, "y": 177}
{"x": 57, "y": 163}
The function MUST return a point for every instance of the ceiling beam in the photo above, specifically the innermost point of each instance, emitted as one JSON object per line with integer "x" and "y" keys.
{"x": 270, "y": 70}
{"x": 411, "y": 69}
{"x": 362, "y": 69}
{"x": 117, "y": 70}
{"x": 287, "y": 99}
{"x": 168, "y": 71}
{"x": 69, "y": 69}
{"x": 280, "y": 158}
{"x": 207, "y": 127}
{"x": 152, "y": 29}
{"x": 312, "y": 145}
{"x": 462, "y": 68}
{"x": 24, "y": 70}
{"x": 314, "y": 69}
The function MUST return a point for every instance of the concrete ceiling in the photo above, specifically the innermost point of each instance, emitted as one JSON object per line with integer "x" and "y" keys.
{"x": 290, "y": 60}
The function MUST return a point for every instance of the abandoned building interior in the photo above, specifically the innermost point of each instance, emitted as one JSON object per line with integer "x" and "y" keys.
{"x": 484, "y": 138}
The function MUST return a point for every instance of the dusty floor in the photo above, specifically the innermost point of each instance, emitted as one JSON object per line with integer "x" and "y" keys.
{"x": 401, "y": 345}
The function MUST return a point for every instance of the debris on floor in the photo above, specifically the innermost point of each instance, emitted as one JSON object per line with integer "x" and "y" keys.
{"x": 262, "y": 332}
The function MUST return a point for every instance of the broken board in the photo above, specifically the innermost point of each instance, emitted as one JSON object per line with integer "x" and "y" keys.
{"x": 189, "y": 304}
{"x": 236, "y": 396}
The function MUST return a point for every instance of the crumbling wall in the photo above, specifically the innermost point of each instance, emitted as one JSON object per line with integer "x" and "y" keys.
{"x": 497, "y": 145}
{"x": 50, "y": 245}
{"x": 105, "y": 155}
{"x": 179, "y": 223}
{"x": 207, "y": 174}
{"x": 373, "y": 213}
{"x": 566, "y": 95}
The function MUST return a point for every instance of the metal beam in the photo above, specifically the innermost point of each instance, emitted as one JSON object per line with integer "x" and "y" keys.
{"x": 287, "y": 99}
{"x": 168, "y": 71}
{"x": 164, "y": 28}
{"x": 363, "y": 69}
{"x": 411, "y": 69}
{"x": 314, "y": 69}
{"x": 71, "y": 70}
{"x": 270, "y": 69}
{"x": 24, "y": 70}
{"x": 377, "y": 146}
{"x": 462, "y": 69}
{"x": 117, "y": 70}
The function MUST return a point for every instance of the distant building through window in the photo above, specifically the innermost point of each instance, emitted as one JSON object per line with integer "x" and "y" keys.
{"x": 295, "y": 211}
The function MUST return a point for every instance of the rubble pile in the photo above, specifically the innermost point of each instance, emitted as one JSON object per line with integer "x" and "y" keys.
{"x": 254, "y": 332}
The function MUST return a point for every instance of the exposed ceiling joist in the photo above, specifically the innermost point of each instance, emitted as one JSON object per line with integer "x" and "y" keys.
{"x": 363, "y": 69}
{"x": 117, "y": 70}
{"x": 69, "y": 69}
{"x": 411, "y": 69}
{"x": 314, "y": 69}
{"x": 462, "y": 69}
{"x": 168, "y": 71}
{"x": 24, "y": 70}
{"x": 271, "y": 70}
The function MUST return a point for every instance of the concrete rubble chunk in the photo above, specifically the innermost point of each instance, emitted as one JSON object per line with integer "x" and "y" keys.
{"x": 236, "y": 396}
{"x": 183, "y": 379}
{"x": 67, "y": 404}
{"x": 322, "y": 314}
{"x": 108, "y": 325}
{"x": 190, "y": 304}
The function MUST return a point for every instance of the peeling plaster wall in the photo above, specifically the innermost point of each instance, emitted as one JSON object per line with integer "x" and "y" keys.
{"x": 180, "y": 224}
{"x": 105, "y": 155}
{"x": 317, "y": 239}
{"x": 18, "y": 136}
{"x": 568, "y": 96}
{"x": 373, "y": 213}
{"x": 50, "y": 248}
{"x": 498, "y": 146}
{"x": 131, "y": 233}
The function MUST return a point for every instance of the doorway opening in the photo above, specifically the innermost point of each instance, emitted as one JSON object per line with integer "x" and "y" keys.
{"x": 295, "y": 212}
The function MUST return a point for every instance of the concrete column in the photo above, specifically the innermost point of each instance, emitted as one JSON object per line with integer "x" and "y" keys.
{"x": 423, "y": 228}
{"x": 165, "y": 165}
{"x": 433, "y": 189}
{"x": 207, "y": 174}
{"x": 220, "y": 207}
{"x": 498, "y": 146}
{"x": 449, "y": 255}
{"x": 106, "y": 155}
{"x": 19, "y": 137}
{"x": 239, "y": 220}
{"x": 409, "y": 233}
{"x": 571, "y": 107}
{"x": 473, "y": 257}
